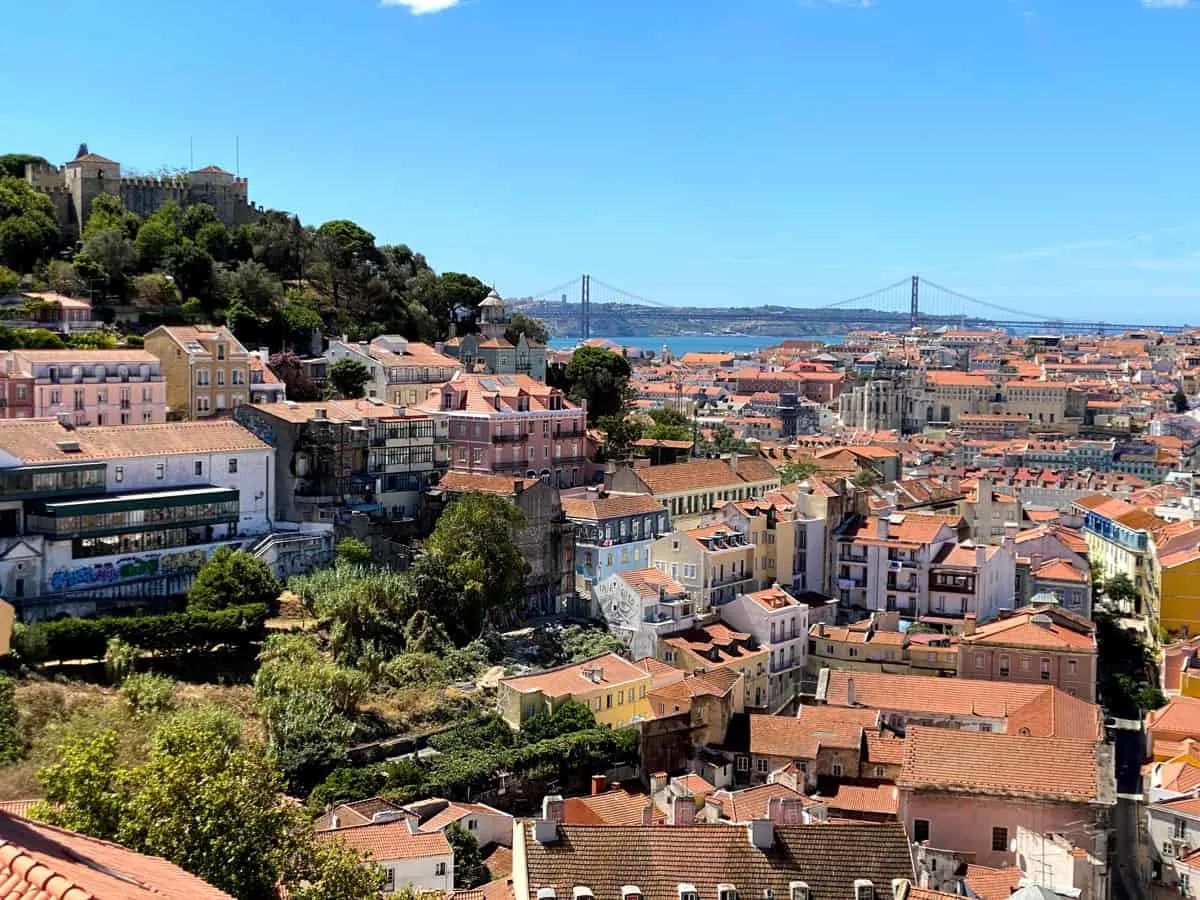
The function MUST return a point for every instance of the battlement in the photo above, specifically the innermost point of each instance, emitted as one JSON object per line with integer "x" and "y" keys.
{"x": 180, "y": 181}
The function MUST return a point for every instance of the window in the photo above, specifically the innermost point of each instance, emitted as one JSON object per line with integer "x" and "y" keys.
{"x": 1003, "y": 666}
{"x": 1045, "y": 670}
{"x": 1072, "y": 667}
{"x": 761, "y": 764}
{"x": 147, "y": 395}
{"x": 608, "y": 701}
{"x": 920, "y": 830}
{"x": 999, "y": 840}
{"x": 202, "y": 404}
{"x": 1180, "y": 829}
{"x": 837, "y": 770}
{"x": 237, "y": 376}
{"x": 220, "y": 377}
{"x": 620, "y": 698}
{"x": 389, "y": 882}
{"x": 147, "y": 417}
{"x": 55, "y": 397}
{"x": 220, "y": 351}
{"x": 743, "y": 764}
{"x": 198, "y": 468}
{"x": 233, "y": 465}
{"x": 202, "y": 377}
{"x": 980, "y": 661}
{"x": 160, "y": 471}
{"x": 119, "y": 473}
{"x": 472, "y": 824}
{"x": 440, "y": 869}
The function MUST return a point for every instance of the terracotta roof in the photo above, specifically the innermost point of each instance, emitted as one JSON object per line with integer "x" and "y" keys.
{"x": 1061, "y": 570}
{"x": 499, "y": 861}
{"x": 615, "y": 807}
{"x": 803, "y": 737}
{"x": 211, "y": 170}
{"x": 40, "y": 862}
{"x": 751, "y": 803}
{"x": 884, "y": 747}
{"x": 478, "y": 483}
{"x": 1179, "y": 719}
{"x": 828, "y": 856}
{"x": 455, "y": 811}
{"x": 1011, "y": 765}
{"x": 661, "y": 673}
{"x": 647, "y": 582}
{"x": 570, "y": 679}
{"x": 93, "y": 158}
{"x": 389, "y": 840}
{"x": 37, "y": 440}
{"x": 1021, "y": 630}
{"x": 610, "y": 506}
{"x": 773, "y": 597}
{"x": 879, "y": 798}
{"x": 729, "y": 644}
{"x": 993, "y": 884}
{"x": 698, "y": 474}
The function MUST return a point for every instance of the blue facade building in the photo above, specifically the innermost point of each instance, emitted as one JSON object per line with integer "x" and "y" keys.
{"x": 613, "y": 533}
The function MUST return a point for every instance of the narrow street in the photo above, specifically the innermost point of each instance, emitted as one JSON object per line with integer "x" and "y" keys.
{"x": 1127, "y": 738}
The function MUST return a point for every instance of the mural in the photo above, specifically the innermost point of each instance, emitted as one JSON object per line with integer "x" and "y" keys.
{"x": 129, "y": 567}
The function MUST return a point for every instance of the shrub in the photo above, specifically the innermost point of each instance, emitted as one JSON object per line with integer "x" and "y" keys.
{"x": 353, "y": 552}
{"x": 148, "y": 693}
{"x": 119, "y": 659}
{"x": 231, "y": 577}
{"x": 170, "y": 632}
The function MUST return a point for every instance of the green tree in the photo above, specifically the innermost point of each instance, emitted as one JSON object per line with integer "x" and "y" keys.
{"x": 62, "y": 277}
{"x": 158, "y": 233}
{"x": 108, "y": 213}
{"x": 193, "y": 271}
{"x": 82, "y": 789}
{"x": 865, "y": 478}
{"x": 231, "y": 578}
{"x": 473, "y": 539}
{"x": 362, "y": 609}
{"x": 195, "y": 217}
{"x": 1120, "y": 589}
{"x": 791, "y": 472}
{"x": 535, "y": 330}
{"x": 254, "y": 286}
{"x": 621, "y": 432}
{"x": 584, "y": 643}
{"x": 425, "y": 634}
{"x": 352, "y": 551}
{"x": 669, "y": 425}
{"x": 348, "y": 378}
{"x": 12, "y": 165}
{"x": 300, "y": 320}
{"x": 600, "y": 378}
{"x": 10, "y": 739}
{"x": 1180, "y": 401}
{"x": 108, "y": 257}
{"x": 569, "y": 718}
{"x": 155, "y": 291}
{"x": 28, "y": 232}
{"x": 469, "y": 870}
{"x": 8, "y": 281}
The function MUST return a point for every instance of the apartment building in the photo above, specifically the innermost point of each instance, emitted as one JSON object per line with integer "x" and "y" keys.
{"x": 643, "y": 606}
{"x": 402, "y": 372}
{"x": 338, "y": 457}
{"x": 714, "y": 563}
{"x": 1120, "y": 540}
{"x": 513, "y": 425}
{"x": 1036, "y": 645}
{"x": 613, "y": 533}
{"x": 694, "y": 488}
{"x": 780, "y": 623}
{"x": 716, "y": 646}
{"x": 113, "y": 514}
{"x": 95, "y": 387}
{"x": 206, "y": 367}
{"x": 972, "y": 579}
{"x": 876, "y": 644}
{"x": 613, "y": 688}
{"x": 789, "y": 544}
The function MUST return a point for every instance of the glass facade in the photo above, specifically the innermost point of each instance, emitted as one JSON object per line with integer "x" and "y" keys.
{"x": 134, "y": 513}
{"x": 30, "y": 482}
{"x": 143, "y": 541}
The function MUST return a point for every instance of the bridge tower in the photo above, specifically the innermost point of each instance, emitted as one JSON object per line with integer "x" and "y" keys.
{"x": 585, "y": 307}
{"x": 914, "y": 314}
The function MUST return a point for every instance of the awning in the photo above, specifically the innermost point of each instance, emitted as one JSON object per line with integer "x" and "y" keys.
{"x": 123, "y": 502}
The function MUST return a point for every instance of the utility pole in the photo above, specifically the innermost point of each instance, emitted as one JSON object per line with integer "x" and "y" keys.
{"x": 914, "y": 314}
{"x": 585, "y": 307}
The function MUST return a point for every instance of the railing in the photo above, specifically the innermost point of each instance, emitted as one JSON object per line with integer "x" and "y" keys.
{"x": 510, "y": 438}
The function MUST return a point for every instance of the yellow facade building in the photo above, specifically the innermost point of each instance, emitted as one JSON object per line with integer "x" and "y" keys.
{"x": 1179, "y": 599}
{"x": 207, "y": 369}
{"x": 613, "y": 688}
{"x": 709, "y": 648}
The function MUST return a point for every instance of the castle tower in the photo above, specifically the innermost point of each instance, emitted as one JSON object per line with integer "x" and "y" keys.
{"x": 88, "y": 176}
{"x": 492, "y": 317}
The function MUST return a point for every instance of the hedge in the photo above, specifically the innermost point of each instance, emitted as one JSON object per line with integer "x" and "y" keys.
{"x": 177, "y": 631}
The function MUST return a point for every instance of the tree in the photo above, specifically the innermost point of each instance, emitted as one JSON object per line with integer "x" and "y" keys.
{"x": 352, "y": 551}
{"x": 233, "y": 577}
{"x": 669, "y": 425}
{"x": 154, "y": 291}
{"x": 1120, "y": 589}
{"x": 119, "y": 659}
{"x": 600, "y": 378}
{"x": 255, "y": 287}
{"x": 108, "y": 213}
{"x": 288, "y": 369}
{"x": 865, "y": 478}
{"x": 621, "y": 432}
{"x": 469, "y": 870}
{"x": 193, "y": 271}
{"x": 28, "y": 232}
{"x": 107, "y": 256}
{"x": 363, "y": 609}
{"x": 300, "y": 320}
{"x": 82, "y": 789}
{"x": 195, "y": 217}
{"x": 12, "y": 165}
{"x": 10, "y": 739}
{"x": 791, "y": 472}
{"x": 8, "y": 281}
{"x": 572, "y": 716}
{"x": 535, "y": 330}
{"x": 1180, "y": 401}
{"x": 425, "y": 634}
{"x": 158, "y": 233}
{"x": 348, "y": 377}
{"x": 473, "y": 540}
{"x": 61, "y": 277}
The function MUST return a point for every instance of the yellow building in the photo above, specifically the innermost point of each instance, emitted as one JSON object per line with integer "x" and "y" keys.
{"x": 1179, "y": 600}
{"x": 709, "y": 648}
{"x": 876, "y": 644}
{"x": 207, "y": 369}
{"x": 613, "y": 688}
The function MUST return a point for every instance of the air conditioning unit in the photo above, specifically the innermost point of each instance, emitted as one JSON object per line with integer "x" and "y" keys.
{"x": 894, "y": 565}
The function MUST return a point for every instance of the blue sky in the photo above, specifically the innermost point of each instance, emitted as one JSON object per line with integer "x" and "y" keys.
{"x": 1037, "y": 153}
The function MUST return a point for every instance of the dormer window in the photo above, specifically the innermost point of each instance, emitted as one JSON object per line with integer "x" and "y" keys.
{"x": 726, "y": 892}
{"x": 864, "y": 889}
{"x": 631, "y": 892}
{"x": 688, "y": 892}
{"x": 798, "y": 890}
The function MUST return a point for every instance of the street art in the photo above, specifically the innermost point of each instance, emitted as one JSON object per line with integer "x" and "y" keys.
{"x": 128, "y": 567}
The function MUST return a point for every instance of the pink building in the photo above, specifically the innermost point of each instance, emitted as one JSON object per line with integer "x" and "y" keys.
{"x": 96, "y": 387}
{"x": 512, "y": 425}
{"x": 970, "y": 792}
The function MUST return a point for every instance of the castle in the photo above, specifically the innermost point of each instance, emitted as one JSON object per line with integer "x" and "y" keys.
{"x": 73, "y": 186}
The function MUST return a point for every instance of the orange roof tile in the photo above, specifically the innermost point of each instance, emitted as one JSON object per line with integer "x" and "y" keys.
{"x": 1021, "y": 630}
{"x": 37, "y": 440}
{"x": 615, "y": 807}
{"x": 389, "y": 840}
{"x": 571, "y": 679}
{"x": 993, "y": 884}
{"x": 881, "y": 798}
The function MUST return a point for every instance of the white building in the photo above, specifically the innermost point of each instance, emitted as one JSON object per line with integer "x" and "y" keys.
{"x": 129, "y": 511}
{"x": 779, "y": 622}
{"x": 489, "y": 826}
{"x": 409, "y": 857}
{"x": 643, "y": 605}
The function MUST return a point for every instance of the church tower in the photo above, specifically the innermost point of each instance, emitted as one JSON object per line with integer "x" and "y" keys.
{"x": 492, "y": 319}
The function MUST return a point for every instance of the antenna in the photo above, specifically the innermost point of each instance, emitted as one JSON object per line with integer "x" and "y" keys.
{"x": 191, "y": 156}
{"x": 237, "y": 154}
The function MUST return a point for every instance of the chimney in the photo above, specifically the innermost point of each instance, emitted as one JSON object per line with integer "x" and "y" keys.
{"x": 785, "y": 811}
{"x": 733, "y": 460}
{"x": 968, "y": 624}
{"x": 682, "y": 810}
{"x": 335, "y": 821}
{"x": 599, "y": 784}
{"x": 658, "y": 781}
{"x": 881, "y": 528}
{"x": 553, "y": 808}
{"x": 850, "y": 698}
{"x": 518, "y": 485}
{"x": 712, "y": 809}
{"x": 820, "y": 629}
{"x": 762, "y": 834}
{"x": 648, "y": 813}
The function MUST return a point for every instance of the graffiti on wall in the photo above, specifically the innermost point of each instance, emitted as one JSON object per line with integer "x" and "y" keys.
{"x": 128, "y": 567}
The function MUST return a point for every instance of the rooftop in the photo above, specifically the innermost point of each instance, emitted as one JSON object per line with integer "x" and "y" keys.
{"x": 605, "y": 670}
{"x": 32, "y": 441}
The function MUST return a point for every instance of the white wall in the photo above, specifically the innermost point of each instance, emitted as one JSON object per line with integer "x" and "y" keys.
{"x": 490, "y": 828}
{"x": 422, "y": 873}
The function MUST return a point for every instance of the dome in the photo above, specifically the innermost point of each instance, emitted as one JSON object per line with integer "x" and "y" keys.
{"x": 493, "y": 299}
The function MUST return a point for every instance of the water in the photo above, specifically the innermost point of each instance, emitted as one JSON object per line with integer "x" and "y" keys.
{"x": 700, "y": 343}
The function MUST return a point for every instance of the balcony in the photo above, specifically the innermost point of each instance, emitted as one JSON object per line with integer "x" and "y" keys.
{"x": 735, "y": 578}
{"x": 568, "y": 432}
{"x": 907, "y": 587}
{"x": 510, "y": 438}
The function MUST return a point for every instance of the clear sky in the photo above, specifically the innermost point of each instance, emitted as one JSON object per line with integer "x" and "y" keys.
{"x": 1038, "y": 153}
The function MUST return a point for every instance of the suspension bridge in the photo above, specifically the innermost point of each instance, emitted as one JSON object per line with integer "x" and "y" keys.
{"x": 585, "y": 306}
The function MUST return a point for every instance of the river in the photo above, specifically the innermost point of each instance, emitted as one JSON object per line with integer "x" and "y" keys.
{"x": 700, "y": 343}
